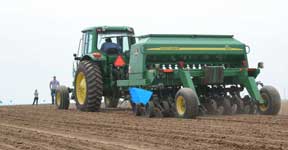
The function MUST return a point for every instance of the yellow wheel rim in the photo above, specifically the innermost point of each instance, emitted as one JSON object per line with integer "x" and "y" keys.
{"x": 264, "y": 107}
{"x": 81, "y": 88}
{"x": 58, "y": 98}
{"x": 180, "y": 105}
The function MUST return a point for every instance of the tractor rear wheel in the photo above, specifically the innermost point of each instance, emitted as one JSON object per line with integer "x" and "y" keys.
{"x": 186, "y": 102}
{"x": 272, "y": 101}
{"x": 62, "y": 98}
{"x": 88, "y": 86}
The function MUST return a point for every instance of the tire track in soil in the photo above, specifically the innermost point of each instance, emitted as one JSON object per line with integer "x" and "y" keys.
{"x": 109, "y": 144}
{"x": 174, "y": 135}
{"x": 121, "y": 127}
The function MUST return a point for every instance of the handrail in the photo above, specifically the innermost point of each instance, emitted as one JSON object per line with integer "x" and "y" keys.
{"x": 80, "y": 42}
{"x": 249, "y": 50}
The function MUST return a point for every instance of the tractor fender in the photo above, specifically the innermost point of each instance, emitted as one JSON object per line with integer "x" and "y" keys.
{"x": 92, "y": 58}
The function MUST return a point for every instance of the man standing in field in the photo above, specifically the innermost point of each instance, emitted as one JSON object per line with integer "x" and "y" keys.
{"x": 54, "y": 84}
{"x": 36, "y": 97}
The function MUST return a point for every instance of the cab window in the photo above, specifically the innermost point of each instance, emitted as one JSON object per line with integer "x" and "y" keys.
{"x": 122, "y": 39}
{"x": 126, "y": 44}
{"x": 87, "y": 43}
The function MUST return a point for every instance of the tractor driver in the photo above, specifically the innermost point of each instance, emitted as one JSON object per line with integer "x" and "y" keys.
{"x": 109, "y": 47}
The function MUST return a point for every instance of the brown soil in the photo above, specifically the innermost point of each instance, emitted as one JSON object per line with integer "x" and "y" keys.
{"x": 44, "y": 127}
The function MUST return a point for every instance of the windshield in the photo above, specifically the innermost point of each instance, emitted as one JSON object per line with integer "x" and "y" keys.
{"x": 122, "y": 39}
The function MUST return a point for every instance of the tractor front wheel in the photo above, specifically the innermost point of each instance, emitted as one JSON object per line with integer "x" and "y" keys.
{"x": 62, "y": 98}
{"x": 88, "y": 86}
{"x": 272, "y": 101}
{"x": 186, "y": 102}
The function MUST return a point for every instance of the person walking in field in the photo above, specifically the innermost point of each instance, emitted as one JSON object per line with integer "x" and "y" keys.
{"x": 54, "y": 84}
{"x": 36, "y": 97}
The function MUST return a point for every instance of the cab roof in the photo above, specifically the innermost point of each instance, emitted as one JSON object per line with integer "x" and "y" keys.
{"x": 110, "y": 28}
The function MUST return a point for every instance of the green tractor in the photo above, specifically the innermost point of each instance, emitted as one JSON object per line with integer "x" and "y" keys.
{"x": 169, "y": 75}
{"x": 96, "y": 72}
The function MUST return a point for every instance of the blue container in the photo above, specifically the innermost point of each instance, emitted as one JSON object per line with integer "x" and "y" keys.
{"x": 140, "y": 96}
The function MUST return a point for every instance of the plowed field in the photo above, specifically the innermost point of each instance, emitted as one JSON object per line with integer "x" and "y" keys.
{"x": 44, "y": 127}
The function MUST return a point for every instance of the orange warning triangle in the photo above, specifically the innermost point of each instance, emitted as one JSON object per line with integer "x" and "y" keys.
{"x": 119, "y": 62}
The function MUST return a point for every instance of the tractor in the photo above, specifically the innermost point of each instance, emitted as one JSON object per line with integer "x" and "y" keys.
{"x": 169, "y": 75}
{"x": 96, "y": 72}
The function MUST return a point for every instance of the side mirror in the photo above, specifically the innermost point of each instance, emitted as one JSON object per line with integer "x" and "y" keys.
{"x": 260, "y": 65}
{"x": 75, "y": 57}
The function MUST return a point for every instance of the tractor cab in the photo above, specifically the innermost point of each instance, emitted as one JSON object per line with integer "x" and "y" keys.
{"x": 93, "y": 39}
{"x": 101, "y": 65}
{"x": 120, "y": 42}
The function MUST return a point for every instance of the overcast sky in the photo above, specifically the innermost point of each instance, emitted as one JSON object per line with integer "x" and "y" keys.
{"x": 38, "y": 38}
